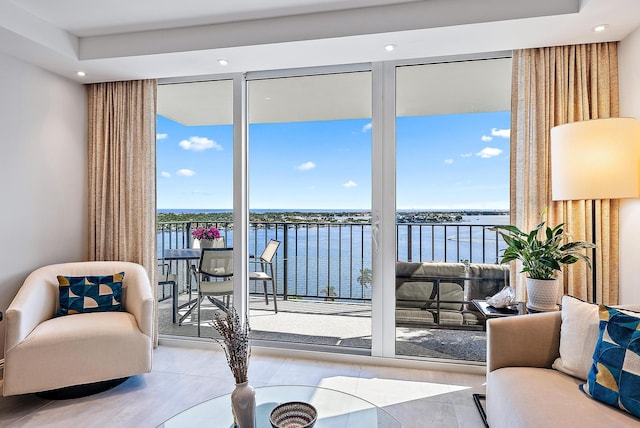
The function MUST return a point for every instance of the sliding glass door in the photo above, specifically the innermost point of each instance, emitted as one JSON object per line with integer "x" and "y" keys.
{"x": 310, "y": 190}
{"x": 194, "y": 165}
{"x": 452, "y": 177}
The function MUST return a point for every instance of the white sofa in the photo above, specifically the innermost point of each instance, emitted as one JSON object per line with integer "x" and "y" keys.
{"x": 525, "y": 386}
{"x": 44, "y": 352}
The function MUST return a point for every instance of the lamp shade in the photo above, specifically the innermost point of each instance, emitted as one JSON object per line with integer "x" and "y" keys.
{"x": 596, "y": 159}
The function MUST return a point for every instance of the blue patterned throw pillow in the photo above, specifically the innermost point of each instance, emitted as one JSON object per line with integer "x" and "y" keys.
{"x": 614, "y": 378}
{"x": 82, "y": 294}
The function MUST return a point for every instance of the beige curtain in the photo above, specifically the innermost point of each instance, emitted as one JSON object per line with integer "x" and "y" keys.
{"x": 552, "y": 86}
{"x": 122, "y": 205}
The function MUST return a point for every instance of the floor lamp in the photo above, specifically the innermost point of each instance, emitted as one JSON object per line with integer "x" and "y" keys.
{"x": 595, "y": 159}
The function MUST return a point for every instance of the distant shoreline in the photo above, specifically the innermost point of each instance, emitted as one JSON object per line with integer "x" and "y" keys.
{"x": 331, "y": 216}
{"x": 335, "y": 211}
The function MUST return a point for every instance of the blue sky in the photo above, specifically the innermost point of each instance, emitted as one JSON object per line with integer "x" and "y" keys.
{"x": 443, "y": 162}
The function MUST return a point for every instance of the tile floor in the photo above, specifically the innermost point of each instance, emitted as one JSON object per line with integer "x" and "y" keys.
{"x": 185, "y": 376}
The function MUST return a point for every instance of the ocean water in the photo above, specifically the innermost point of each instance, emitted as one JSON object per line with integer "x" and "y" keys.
{"x": 329, "y": 259}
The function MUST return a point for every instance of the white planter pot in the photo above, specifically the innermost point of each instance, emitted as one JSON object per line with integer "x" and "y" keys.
{"x": 542, "y": 294}
{"x": 208, "y": 243}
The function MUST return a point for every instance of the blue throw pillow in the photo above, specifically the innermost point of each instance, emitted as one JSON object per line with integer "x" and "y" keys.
{"x": 614, "y": 378}
{"x": 83, "y": 294}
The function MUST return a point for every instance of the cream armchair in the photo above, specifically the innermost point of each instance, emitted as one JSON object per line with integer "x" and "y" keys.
{"x": 44, "y": 352}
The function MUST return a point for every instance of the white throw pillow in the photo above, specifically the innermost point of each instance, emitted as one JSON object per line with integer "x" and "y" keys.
{"x": 578, "y": 337}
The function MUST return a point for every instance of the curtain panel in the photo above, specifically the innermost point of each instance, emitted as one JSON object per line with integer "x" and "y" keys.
{"x": 553, "y": 86}
{"x": 122, "y": 179}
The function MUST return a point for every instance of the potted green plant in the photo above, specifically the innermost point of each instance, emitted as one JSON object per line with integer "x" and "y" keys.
{"x": 541, "y": 251}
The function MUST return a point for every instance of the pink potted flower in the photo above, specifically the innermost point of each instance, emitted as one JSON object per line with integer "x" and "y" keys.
{"x": 207, "y": 237}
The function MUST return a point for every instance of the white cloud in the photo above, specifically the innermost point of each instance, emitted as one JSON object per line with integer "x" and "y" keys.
{"x": 198, "y": 144}
{"x": 161, "y": 136}
{"x": 488, "y": 152}
{"x": 466, "y": 155}
{"x": 165, "y": 174}
{"x": 367, "y": 127}
{"x": 486, "y": 138}
{"x": 504, "y": 133}
{"x": 306, "y": 166}
{"x": 448, "y": 161}
{"x": 185, "y": 172}
{"x": 349, "y": 184}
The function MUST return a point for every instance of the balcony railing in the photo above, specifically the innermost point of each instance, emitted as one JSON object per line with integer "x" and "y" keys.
{"x": 330, "y": 260}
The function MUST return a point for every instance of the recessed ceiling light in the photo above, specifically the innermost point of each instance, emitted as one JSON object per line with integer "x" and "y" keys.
{"x": 600, "y": 28}
{"x": 389, "y": 47}
{"x": 81, "y": 73}
{"x": 223, "y": 61}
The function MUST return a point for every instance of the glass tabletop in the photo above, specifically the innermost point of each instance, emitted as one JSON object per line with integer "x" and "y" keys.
{"x": 335, "y": 409}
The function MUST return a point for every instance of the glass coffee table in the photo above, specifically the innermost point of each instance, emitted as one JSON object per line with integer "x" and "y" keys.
{"x": 335, "y": 409}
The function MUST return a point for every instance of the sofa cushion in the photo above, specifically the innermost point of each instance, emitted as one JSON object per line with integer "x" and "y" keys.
{"x": 83, "y": 294}
{"x": 531, "y": 397}
{"x": 614, "y": 377}
{"x": 578, "y": 337}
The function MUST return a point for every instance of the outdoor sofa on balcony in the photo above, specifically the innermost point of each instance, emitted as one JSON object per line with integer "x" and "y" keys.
{"x": 438, "y": 294}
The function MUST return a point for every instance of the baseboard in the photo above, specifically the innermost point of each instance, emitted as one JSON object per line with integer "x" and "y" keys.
{"x": 328, "y": 355}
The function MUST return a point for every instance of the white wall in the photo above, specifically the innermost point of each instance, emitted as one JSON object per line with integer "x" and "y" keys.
{"x": 43, "y": 174}
{"x": 629, "y": 69}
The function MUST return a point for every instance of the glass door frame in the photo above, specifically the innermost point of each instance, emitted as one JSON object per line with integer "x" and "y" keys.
{"x": 377, "y": 157}
{"x": 383, "y": 214}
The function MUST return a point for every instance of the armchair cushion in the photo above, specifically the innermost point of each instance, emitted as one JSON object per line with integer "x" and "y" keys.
{"x": 614, "y": 378}
{"x": 83, "y": 294}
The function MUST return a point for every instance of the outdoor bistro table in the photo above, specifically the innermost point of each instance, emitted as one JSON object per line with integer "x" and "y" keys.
{"x": 186, "y": 254}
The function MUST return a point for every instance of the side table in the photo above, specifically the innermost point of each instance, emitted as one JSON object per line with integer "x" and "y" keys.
{"x": 491, "y": 312}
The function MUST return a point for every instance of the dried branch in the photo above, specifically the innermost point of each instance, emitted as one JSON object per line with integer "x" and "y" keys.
{"x": 235, "y": 342}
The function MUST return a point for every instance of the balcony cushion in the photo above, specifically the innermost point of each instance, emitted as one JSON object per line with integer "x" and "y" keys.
{"x": 84, "y": 294}
{"x": 414, "y": 316}
{"x": 450, "y": 317}
{"x": 614, "y": 378}
{"x": 488, "y": 279}
{"x": 421, "y": 294}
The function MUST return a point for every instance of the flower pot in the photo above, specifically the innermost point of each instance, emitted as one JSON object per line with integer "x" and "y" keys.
{"x": 542, "y": 294}
{"x": 243, "y": 405}
{"x": 208, "y": 243}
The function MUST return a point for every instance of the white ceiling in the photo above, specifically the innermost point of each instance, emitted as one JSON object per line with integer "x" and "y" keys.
{"x": 422, "y": 90}
{"x": 118, "y": 39}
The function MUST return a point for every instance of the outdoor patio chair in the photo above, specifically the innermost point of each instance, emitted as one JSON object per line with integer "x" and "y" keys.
{"x": 217, "y": 243}
{"x": 166, "y": 278}
{"x": 266, "y": 275}
{"x": 215, "y": 279}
